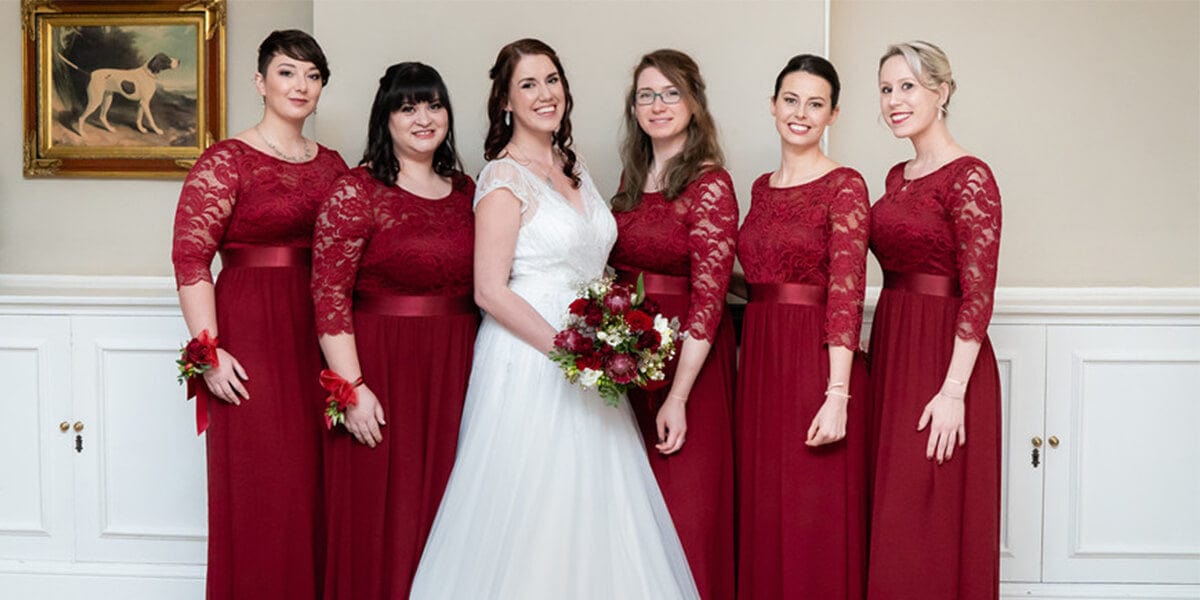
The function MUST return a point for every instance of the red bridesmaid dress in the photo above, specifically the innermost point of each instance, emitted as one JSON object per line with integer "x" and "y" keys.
{"x": 395, "y": 270}
{"x": 802, "y": 510}
{"x": 935, "y": 528}
{"x": 685, "y": 249}
{"x": 265, "y": 537}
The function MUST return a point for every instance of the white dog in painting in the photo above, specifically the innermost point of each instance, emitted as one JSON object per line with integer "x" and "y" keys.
{"x": 137, "y": 84}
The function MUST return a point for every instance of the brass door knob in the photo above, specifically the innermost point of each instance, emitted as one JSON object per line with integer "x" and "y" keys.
{"x": 1053, "y": 441}
{"x": 1036, "y": 441}
{"x": 64, "y": 426}
{"x": 78, "y": 426}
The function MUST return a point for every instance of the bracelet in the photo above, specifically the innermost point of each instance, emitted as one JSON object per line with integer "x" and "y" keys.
{"x": 341, "y": 396}
{"x": 197, "y": 356}
{"x": 831, "y": 392}
{"x": 950, "y": 396}
{"x": 955, "y": 381}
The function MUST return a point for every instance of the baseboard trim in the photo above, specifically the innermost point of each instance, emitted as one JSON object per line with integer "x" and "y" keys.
{"x": 1091, "y": 591}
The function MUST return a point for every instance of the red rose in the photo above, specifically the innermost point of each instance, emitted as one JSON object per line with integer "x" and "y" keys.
{"x": 619, "y": 300}
{"x": 649, "y": 340}
{"x": 622, "y": 368}
{"x": 589, "y": 361}
{"x": 579, "y": 306}
{"x": 638, "y": 320}
{"x": 593, "y": 315}
{"x": 572, "y": 341}
{"x": 651, "y": 307}
{"x": 198, "y": 352}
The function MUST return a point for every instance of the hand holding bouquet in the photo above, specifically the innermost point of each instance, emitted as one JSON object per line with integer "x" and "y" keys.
{"x": 615, "y": 339}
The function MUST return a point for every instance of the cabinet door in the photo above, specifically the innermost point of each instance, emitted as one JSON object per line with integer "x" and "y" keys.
{"x": 1122, "y": 500}
{"x": 35, "y": 474}
{"x": 1021, "y": 355}
{"x": 140, "y": 484}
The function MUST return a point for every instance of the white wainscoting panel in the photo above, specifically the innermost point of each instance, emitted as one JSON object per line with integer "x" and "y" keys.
{"x": 1020, "y": 356}
{"x": 1123, "y": 487}
{"x": 35, "y": 471}
{"x": 145, "y": 481}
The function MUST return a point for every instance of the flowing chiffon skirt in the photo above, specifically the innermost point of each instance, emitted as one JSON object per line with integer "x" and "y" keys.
{"x": 382, "y": 501}
{"x": 698, "y": 480}
{"x": 935, "y": 528}
{"x": 265, "y": 536}
{"x": 802, "y": 511}
{"x": 551, "y": 495}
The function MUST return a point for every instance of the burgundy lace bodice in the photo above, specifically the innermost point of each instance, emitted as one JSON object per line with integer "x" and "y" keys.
{"x": 693, "y": 236}
{"x": 814, "y": 233}
{"x": 945, "y": 223}
{"x": 383, "y": 239}
{"x": 238, "y": 196}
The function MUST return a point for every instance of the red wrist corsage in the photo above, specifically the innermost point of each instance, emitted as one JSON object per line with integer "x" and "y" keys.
{"x": 341, "y": 395}
{"x": 197, "y": 357}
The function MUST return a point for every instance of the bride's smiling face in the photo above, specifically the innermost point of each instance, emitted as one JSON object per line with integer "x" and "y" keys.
{"x": 536, "y": 96}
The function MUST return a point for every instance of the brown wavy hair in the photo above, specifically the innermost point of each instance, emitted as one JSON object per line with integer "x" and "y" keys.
{"x": 701, "y": 152}
{"x": 501, "y": 73}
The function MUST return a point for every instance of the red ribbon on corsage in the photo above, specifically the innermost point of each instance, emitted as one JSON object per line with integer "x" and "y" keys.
{"x": 196, "y": 358}
{"x": 341, "y": 395}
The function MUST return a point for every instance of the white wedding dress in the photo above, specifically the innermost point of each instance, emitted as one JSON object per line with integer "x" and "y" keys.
{"x": 551, "y": 496}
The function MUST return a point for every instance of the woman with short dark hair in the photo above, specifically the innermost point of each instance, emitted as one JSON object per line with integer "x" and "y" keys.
{"x": 253, "y": 198}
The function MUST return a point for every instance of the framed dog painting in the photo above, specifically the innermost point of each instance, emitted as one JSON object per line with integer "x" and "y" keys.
{"x": 122, "y": 89}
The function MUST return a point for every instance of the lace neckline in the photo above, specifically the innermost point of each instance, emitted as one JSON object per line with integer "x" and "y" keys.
{"x": 583, "y": 214}
{"x": 316, "y": 154}
{"x": 905, "y": 180}
{"x": 822, "y": 177}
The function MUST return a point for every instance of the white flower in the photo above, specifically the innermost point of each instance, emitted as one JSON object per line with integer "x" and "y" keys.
{"x": 589, "y": 377}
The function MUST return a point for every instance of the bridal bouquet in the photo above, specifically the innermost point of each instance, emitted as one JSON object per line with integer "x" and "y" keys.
{"x": 615, "y": 339}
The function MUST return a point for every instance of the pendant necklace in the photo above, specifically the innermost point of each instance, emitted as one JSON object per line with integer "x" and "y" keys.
{"x": 528, "y": 163}
{"x": 308, "y": 152}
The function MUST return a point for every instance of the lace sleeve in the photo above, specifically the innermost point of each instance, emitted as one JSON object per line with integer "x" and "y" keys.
{"x": 849, "y": 218}
{"x": 504, "y": 173}
{"x": 343, "y": 227}
{"x": 712, "y": 241}
{"x": 975, "y": 215}
{"x": 205, "y": 207}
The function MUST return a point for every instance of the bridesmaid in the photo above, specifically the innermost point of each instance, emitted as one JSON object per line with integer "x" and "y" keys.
{"x": 254, "y": 199}
{"x": 392, "y": 256}
{"x": 800, "y": 415}
{"x": 677, "y": 224}
{"x": 936, "y": 233}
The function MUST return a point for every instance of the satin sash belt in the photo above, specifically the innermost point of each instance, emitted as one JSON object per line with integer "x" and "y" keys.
{"x": 654, "y": 283}
{"x": 266, "y": 256}
{"x": 788, "y": 293}
{"x": 922, "y": 283}
{"x": 396, "y": 305}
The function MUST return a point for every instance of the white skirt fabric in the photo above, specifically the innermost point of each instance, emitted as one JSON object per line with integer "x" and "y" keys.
{"x": 551, "y": 495}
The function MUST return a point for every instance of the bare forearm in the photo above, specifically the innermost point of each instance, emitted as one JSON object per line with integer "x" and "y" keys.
{"x": 199, "y": 305}
{"x": 962, "y": 364}
{"x": 341, "y": 353}
{"x": 515, "y": 314}
{"x": 692, "y": 355}
{"x": 841, "y": 360}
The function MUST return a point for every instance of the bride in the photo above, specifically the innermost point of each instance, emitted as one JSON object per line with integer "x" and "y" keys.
{"x": 551, "y": 494}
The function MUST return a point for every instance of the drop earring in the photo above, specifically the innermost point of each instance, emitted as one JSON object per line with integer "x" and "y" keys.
{"x": 508, "y": 118}
{"x": 941, "y": 112}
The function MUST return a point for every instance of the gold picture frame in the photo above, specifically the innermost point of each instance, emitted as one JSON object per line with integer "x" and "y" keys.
{"x": 130, "y": 89}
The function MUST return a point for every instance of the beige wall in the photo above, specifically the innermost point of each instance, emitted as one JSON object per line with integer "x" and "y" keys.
{"x": 1086, "y": 111}
{"x": 739, "y": 45}
{"x": 111, "y": 227}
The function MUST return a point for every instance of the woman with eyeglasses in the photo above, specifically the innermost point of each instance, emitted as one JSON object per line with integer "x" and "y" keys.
{"x": 801, "y": 413}
{"x": 677, "y": 222}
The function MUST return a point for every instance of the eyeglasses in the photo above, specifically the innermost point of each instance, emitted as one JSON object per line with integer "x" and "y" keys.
{"x": 646, "y": 97}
